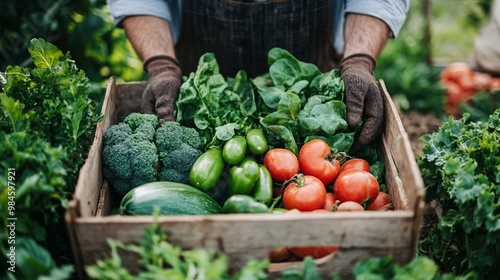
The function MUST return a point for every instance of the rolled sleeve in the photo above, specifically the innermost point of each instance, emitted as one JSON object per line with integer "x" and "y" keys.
{"x": 393, "y": 13}
{"x": 168, "y": 10}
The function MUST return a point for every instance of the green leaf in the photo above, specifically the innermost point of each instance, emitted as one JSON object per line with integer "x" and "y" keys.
{"x": 226, "y": 132}
{"x": 325, "y": 118}
{"x": 13, "y": 111}
{"x": 44, "y": 55}
{"x": 284, "y": 135}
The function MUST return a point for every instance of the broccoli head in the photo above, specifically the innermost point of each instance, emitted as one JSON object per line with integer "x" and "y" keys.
{"x": 140, "y": 150}
{"x": 129, "y": 154}
{"x": 178, "y": 147}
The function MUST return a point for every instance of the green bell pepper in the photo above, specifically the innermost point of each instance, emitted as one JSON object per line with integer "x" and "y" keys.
{"x": 243, "y": 177}
{"x": 234, "y": 149}
{"x": 241, "y": 203}
{"x": 263, "y": 189}
{"x": 207, "y": 169}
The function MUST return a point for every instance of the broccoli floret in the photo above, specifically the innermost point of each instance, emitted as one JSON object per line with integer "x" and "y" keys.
{"x": 117, "y": 134}
{"x": 171, "y": 135}
{"x": 130, "y": 156}
{"x": 116, "y": 161}
{"x": 140, "y": 150}
{"x": 173, "y": 175}
{"x": 135, "y": 120}
{"x": 176, "y": 164}
{"x": 179, "y": 148}
{"x": 181, "y": 159}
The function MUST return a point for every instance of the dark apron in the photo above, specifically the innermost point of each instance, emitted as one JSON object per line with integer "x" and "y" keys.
{"x": 240, "y": 34}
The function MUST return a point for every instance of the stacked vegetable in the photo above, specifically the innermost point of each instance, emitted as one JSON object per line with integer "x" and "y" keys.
{"x": 469, "y": 91}
{"x": 275, "y": 143}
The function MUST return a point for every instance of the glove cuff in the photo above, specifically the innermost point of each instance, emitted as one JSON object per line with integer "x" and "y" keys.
{"x": 359, "y": 59}
{"x": 159, "y": 62}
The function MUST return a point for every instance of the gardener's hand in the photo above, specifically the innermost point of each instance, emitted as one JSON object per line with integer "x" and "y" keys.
{"x": 162, "y": 88}
{"x": 363, "y": 98}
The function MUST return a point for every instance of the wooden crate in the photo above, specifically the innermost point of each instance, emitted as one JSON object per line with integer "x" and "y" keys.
{"x": 245, "y": 236}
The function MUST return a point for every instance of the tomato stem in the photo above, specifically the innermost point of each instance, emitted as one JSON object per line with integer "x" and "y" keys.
{"x": 275, "y": 201}
{"x": 298, "y": 179}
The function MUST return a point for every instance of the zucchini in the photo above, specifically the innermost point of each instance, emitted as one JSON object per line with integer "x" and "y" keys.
{"x": 170, "y": 198}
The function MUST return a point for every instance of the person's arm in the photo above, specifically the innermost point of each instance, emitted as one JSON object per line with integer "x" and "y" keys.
{"x": 364, "y": 39}
{"x": 151, "y": 37}
{"x": 364, "y": 34}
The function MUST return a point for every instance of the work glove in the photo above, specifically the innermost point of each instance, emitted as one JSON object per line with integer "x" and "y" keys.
{"x": 162, "y": 88}
{"x": 363, "y": 98}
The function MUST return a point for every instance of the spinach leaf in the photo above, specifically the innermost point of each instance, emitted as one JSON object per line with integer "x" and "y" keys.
{"x": 301, "y": 103}
{"x": 217, "y": 107}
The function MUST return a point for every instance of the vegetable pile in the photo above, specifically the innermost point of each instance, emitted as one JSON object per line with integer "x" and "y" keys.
{"x": 469, "y": 91}
{"x": 461, "y": 168}
{"x": 272, "y": 144}
{"x": 47, "y": 123}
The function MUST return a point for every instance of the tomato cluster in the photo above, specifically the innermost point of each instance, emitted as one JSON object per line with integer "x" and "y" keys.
{"x": 462, "y": 83}
{"x": 304, "y": 179}
{"x": 320, "y": 181}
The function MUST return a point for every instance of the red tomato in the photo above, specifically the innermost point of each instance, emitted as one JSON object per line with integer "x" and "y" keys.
{"x": 329, "y": 201}
{"x": 381, "y": 203}
{"x": 482, "y": 81}
{"x": 355, "y": 163}
{"x": 305, "y": 193}
{"x": 454, "y": 96}
{"x": 281, "y": 163}
{"x": 466, "y": 83}
{"x": 349, "y": 206}
{"x": 455, "y": 71}
{"x": 314, "y": 252}
{"x": 495, "y": 84}
{"x": 316, "y": 159}
{"x": 356, "y": 185}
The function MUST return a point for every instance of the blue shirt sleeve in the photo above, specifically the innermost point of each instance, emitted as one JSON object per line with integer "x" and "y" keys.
{"x": 170, "y": 10}
{"x": 392, "y": 12}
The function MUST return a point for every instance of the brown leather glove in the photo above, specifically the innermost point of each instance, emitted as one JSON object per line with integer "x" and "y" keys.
{"x": 363, "y": 98}
{"x": 162, "y": 88}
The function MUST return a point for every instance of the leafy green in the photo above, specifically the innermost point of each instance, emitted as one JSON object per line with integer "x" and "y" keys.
{"x": 461, "y": 168}
{"x": 481, "y": 105}
{"x": 216, "y": 107}
{"x": 55, "y": 100}
{"x": 34, "y": 262}
{"x": 300, "y": 103}
{"x": 47, "y": 123}
{"x": 420, "y": 268}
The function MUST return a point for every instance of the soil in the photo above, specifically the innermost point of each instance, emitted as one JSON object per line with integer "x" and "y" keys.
{"x": 417, "y": 124}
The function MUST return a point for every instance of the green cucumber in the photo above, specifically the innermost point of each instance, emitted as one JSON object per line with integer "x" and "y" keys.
{"x": 169, "y": 198}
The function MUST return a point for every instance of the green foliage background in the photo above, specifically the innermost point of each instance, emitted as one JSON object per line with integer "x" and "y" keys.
{"x": 84, "y": 28}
